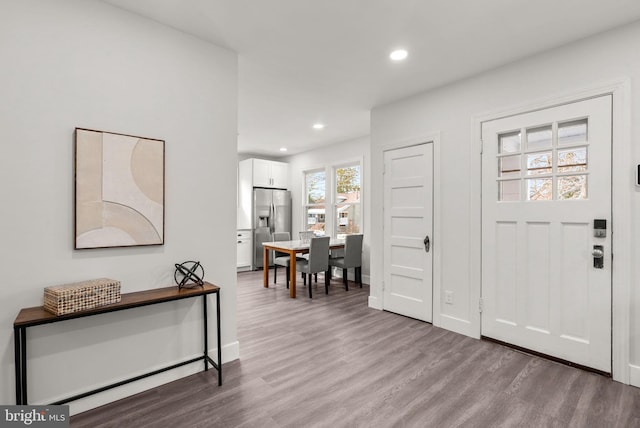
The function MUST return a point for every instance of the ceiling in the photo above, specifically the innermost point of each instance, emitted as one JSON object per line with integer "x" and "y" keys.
{"x": 302, "y": 61}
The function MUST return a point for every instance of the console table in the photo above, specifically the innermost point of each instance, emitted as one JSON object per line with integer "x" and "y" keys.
{"x": 30, "y": 317}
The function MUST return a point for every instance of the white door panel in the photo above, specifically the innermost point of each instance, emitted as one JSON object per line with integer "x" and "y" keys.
{"x": 408, "y": 217}
{"x": 546, "y": 176}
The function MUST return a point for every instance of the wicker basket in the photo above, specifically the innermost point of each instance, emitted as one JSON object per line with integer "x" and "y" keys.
{"x": 80, "y": 296}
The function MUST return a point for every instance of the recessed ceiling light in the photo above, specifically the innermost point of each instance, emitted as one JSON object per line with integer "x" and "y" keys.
{"x": 318, "y": 126}
{"x": 283, "y": 149}
{"x": 398, "y": 55}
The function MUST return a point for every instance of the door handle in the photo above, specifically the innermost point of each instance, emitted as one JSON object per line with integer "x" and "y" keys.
{"x": 598, "y": 256}
{"x": 275, "y": 216}
{"x": 427, "y": 243}
{"x": 272, "y": 215}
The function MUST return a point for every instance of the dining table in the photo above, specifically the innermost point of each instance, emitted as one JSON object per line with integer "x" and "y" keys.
{"x": 292, "y": 248}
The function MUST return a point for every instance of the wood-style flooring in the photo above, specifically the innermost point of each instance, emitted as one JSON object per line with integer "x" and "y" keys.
{"x": 333, "y": 362}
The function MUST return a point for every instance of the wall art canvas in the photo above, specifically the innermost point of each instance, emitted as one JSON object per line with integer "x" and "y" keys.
{"x": 119, "y": 190}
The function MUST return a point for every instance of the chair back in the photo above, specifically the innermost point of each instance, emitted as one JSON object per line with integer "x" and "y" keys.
{"x": 319, "y": 254}
{"x": 353, "y": 251}
{"x": 306, "y": 236}
{"x": 281, "y": 236}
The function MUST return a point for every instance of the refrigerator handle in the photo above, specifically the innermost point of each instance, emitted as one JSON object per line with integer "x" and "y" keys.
{"x": 271, "y": 218}
{"x": 275, "y": 216}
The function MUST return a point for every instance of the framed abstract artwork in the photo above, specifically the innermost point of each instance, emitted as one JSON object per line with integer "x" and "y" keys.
{"x": 119, "y": 190}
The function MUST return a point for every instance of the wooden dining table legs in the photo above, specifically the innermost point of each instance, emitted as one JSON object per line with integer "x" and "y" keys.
{"x": 292, "y": 274}
{"x": 292, "y": 270}
{"x": 265, "y": 267}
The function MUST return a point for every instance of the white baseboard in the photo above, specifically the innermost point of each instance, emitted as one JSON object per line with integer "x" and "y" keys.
{"x": 230, "y": 352}
{"x": 634, "y": 375}
{"x": 374, "y": 303}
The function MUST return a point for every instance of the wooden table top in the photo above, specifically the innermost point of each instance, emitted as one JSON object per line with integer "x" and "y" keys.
{"x": 38, "y": 315}
{"x": 299, "y": 245}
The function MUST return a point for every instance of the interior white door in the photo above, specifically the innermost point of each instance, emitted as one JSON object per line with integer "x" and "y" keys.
{"x": 408, "y": 230}
{"x": 546, "y": 176}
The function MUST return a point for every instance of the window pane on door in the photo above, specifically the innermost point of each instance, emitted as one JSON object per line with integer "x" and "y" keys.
{"x": 572, "y": 132}
{"x": 539, "y": 138}
{"x": 510, "y": 143}
{"x": 539, "y": 189}
{"x": 539, "y": 163}
{"x": 572, "y": 160}
{"x": 509, "y": 166}
{"x": 509, "y": 190}
{"x": 572, "y": 187}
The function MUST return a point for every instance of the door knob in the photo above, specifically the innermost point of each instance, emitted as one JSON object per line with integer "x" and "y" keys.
{"x": 427, "y": 243}
{"x": 598, "y": 256}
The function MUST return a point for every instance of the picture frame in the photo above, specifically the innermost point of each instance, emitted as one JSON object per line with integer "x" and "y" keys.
{"x": 119, "y": 190}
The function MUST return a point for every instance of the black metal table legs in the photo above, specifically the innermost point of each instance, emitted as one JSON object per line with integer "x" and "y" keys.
{"x": 219, "y": 339}
{"x": 207, "y": 359}
{"x": 20, "y": 346}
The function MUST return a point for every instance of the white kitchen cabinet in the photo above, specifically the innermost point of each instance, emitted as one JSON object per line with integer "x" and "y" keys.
{"x": 244, "y": 250}
{"x": 279, "y": 175}
{"x": 261, "y": 173}
{"x": 266, "y": 173}
{"x": 245, "y": 195}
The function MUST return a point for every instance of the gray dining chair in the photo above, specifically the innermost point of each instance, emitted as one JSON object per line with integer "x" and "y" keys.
{"x": 281, "y": 259}
{"x": 306, "y": 235}
{"x": 305, "y": 238}
{"x": 352, "y": 259}
{"x": 318, "y": 261}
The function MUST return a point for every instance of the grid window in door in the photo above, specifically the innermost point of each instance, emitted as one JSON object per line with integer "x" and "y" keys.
{"x": 546, "y": 162}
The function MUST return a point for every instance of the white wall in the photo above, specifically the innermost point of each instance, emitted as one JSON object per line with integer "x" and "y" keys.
{"x": 450, "y": 110}
{"x": 357, "y": 150}
{"x": 79, "y": 63}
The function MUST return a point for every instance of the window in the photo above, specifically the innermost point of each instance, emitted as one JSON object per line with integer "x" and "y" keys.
{"x": 550, "y": 162}
{"x": 314, "y": 208}
{"x": 347, "y": 207}
{"x": 332, "y": 200}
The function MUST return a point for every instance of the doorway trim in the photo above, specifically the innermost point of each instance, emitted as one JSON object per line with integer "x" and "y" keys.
{"x": 432, "y": 138}
{"x": 621, "y": 189}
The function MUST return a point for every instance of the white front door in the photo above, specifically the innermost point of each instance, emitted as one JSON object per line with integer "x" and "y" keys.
{"x": 408, "y": 230}
{"x": 546, "y": 184}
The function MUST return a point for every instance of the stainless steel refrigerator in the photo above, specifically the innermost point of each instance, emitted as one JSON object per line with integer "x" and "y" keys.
{"x": 271, "y": 213}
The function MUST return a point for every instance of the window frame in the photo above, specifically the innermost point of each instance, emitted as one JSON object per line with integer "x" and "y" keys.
{"x": 335, "y": 203}
{"x": 330, "y": 205}
{"x": 306, "y": 206}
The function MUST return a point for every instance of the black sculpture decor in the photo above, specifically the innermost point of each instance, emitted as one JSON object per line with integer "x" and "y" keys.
{"x": 188, "y": 271}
